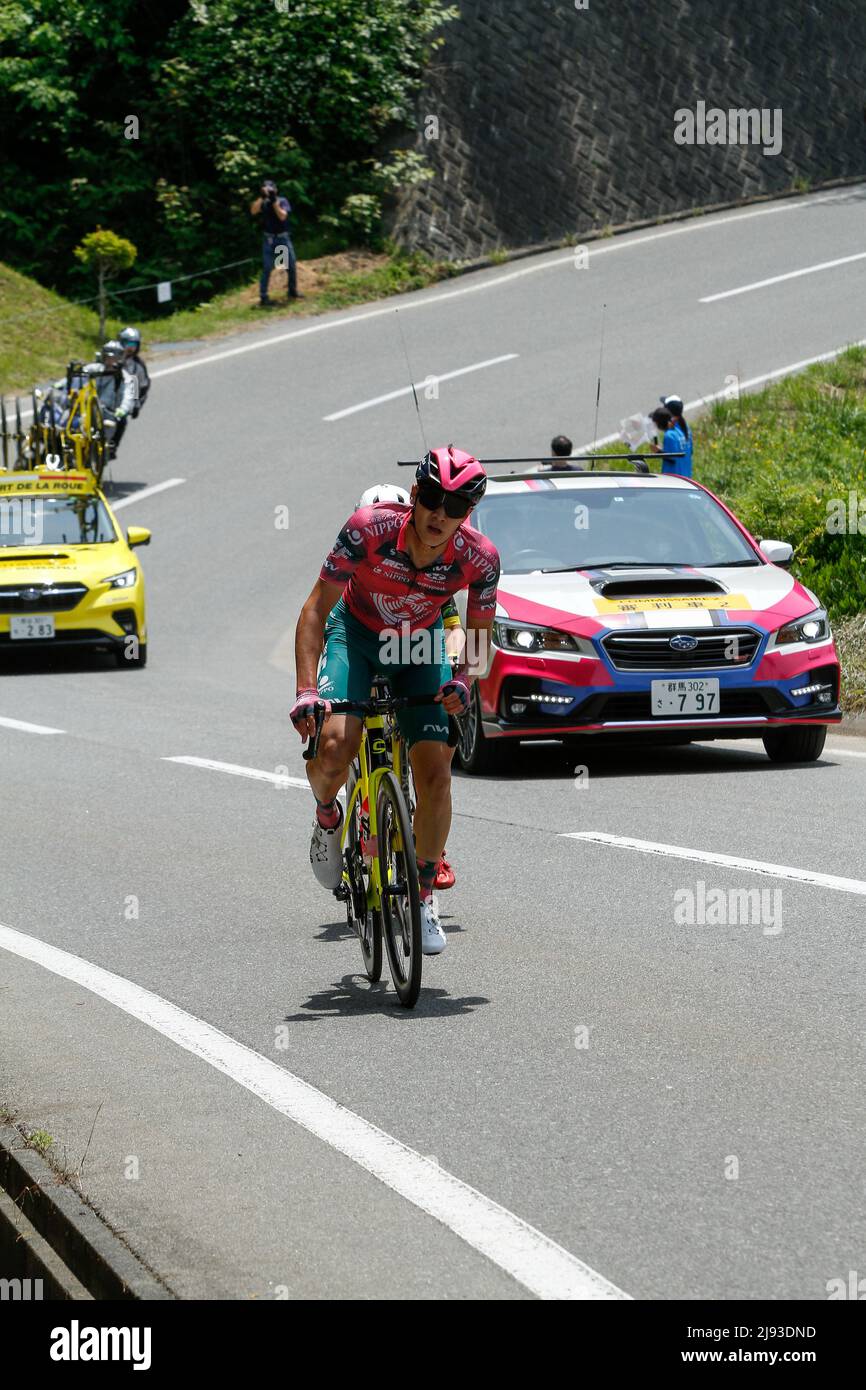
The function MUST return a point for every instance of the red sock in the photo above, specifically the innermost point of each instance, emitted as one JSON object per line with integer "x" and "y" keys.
{"x": 426, "y": 877}
{"x": 328, "y": 813}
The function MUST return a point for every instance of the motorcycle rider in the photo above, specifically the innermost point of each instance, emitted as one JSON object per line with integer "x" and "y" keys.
{"x": 130, "y": 339}
{"x": 117, "y": 390}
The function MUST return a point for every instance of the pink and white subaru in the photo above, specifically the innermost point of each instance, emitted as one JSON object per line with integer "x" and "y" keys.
{"x": 639, "y": 606}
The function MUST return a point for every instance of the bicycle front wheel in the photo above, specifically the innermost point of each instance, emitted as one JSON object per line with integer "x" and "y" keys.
{"x": 366, "y": 921}
{"x": 401, "y": 908}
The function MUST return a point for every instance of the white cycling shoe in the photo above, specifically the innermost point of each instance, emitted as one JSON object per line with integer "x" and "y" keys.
{"x": 433, "y": 938}
{"x": 325, "y": 856}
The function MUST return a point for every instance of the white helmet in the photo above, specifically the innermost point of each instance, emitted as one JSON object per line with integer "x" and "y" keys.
{"x": 383, "y": 492}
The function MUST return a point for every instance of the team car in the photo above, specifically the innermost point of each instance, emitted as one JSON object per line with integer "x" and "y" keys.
{"x": 68, "y": 575}
{"x": 638, "y": 606}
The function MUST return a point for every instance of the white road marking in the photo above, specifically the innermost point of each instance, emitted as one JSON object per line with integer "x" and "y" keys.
{"x": 29, "y": 728}
{"x": 277, "y": 778}
{"x": 753, "y": 381}
{"x": 728, "y": 861}
{"x": 145, "y": 492}
{"x": 528, "y": 1256}
{"x": 441, "y": 296}
{"x": 419, "y": 386}
{"x": 844, "y": 752}
{"x": 777, "y": 279}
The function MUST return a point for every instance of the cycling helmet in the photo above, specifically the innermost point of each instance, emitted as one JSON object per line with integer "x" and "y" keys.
{"x": 383, "y": 492}
{"x": 130, "y": 338}
{"x": 454, "y": 471}
{"x": 112, "y": 352}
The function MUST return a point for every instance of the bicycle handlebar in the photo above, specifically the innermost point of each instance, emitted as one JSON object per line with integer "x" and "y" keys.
{"x": 385, "y": 704}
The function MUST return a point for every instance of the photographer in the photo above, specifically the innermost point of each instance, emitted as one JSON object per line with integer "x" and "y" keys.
{"x": 275, "y": 211}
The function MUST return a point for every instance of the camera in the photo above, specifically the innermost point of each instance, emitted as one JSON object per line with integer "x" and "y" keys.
{"x": 269, "y": 192}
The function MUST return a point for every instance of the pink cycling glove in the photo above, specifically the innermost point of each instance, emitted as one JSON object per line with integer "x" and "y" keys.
{"x": 459, "y": 686}
{"x": 303, "y": 706}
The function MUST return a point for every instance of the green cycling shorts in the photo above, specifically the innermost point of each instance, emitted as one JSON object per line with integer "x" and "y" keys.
{"x": 353, "y": 655}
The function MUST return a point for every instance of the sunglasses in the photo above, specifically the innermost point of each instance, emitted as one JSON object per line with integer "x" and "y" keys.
{"x": 432, "y": 498}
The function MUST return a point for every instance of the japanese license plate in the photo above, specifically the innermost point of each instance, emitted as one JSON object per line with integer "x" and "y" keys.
{"x": 686, "y": 696}
{"x": 38, "y": 626}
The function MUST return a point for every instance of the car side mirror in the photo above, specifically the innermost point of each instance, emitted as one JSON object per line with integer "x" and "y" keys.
{"x": 777, "y": 552}
{"x": 137, "y": 535}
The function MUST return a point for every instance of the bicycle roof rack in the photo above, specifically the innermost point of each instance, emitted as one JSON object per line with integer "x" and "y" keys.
{"x": 638, "y": 460}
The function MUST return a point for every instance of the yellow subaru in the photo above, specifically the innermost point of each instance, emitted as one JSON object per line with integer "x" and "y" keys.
{"x": 68, "y": 575}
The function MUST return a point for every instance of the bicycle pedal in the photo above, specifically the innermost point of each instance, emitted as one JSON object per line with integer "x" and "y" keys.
{"x": 342, "y": 892}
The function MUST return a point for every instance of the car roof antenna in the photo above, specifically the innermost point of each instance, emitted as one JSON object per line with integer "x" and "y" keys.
{"x": 598, "y": 384}
{"x": 425, "y": 446}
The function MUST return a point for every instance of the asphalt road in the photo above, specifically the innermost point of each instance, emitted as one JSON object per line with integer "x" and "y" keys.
{"x": 604, "y": 1100}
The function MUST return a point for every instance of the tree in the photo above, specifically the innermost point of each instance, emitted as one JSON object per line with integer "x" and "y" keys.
{"x": 106, "y": 253}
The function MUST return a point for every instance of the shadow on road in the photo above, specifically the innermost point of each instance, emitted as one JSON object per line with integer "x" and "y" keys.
{"x": 55, "y": 661}
{"x": 547, "y": 762}
{"x": 354, "y": 996}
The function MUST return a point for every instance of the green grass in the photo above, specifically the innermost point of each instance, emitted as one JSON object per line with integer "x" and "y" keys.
{"x": 40, "y": 331}
{"x": 40, "y": 1140}
{"x": 784, "y": 460}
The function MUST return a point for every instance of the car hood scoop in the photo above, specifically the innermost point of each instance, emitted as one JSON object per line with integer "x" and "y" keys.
{"x": 662, "y": 584}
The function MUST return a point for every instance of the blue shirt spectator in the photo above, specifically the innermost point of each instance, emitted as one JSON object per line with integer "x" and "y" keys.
{"x": 673, "y": 442}
{"x": 675, "y": 405}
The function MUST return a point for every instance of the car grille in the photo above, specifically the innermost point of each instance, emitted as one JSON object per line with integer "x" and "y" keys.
{"x": 733, "y": 704}
{"x": 40, "y": 598}
{"x": 652, "y": 651}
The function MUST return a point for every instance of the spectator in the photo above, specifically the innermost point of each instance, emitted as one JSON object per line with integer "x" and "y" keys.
{"x": 276, "y": 231}
{"x": 561, "y": 447}
{"x": 673, "y": 442}
{"x": 130, "y": 339}
{"x": 675, "y": 405}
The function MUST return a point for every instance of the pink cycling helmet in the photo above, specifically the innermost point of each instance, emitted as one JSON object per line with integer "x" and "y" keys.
{"x": 454, "y": 471}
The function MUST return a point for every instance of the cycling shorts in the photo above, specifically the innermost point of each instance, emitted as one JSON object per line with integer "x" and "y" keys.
{"x": 353, "y": 655}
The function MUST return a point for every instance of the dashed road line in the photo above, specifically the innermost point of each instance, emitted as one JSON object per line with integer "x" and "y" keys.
{"x": 728, "y": 861}
{"x": 145, "y": 492}
{"x": 778, "y": 279}
{"x": 23, "y": 727}
{"x": 419, "y": 386}
{"x": 278, "y": 779}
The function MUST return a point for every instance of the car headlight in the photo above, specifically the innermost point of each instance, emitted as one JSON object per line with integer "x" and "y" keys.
{"x": 815, "y": 627}
{"x": 534, "y": 639}
{"x": 124, "y": 580}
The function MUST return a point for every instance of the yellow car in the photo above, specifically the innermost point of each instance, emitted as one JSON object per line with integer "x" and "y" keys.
{"x": 68, "y": 575}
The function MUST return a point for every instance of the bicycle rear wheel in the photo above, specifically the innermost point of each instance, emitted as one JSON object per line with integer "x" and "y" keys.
{"x": 401, "y": 908}
{"x": 366, "y": 921}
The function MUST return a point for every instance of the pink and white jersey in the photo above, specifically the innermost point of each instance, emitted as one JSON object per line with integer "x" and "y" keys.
{"x": 383, "y": 586}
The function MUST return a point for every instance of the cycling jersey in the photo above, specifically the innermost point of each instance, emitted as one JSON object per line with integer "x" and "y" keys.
{"x": 383, "y": 587}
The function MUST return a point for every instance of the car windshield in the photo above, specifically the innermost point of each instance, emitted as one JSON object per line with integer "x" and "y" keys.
{"x": 577, "y": 528}
{"x": 35, "y": 520}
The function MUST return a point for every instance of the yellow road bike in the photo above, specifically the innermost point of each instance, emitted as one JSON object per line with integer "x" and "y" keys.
{"x": 67, "y": 432}
{"x": 380, "y": 875}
